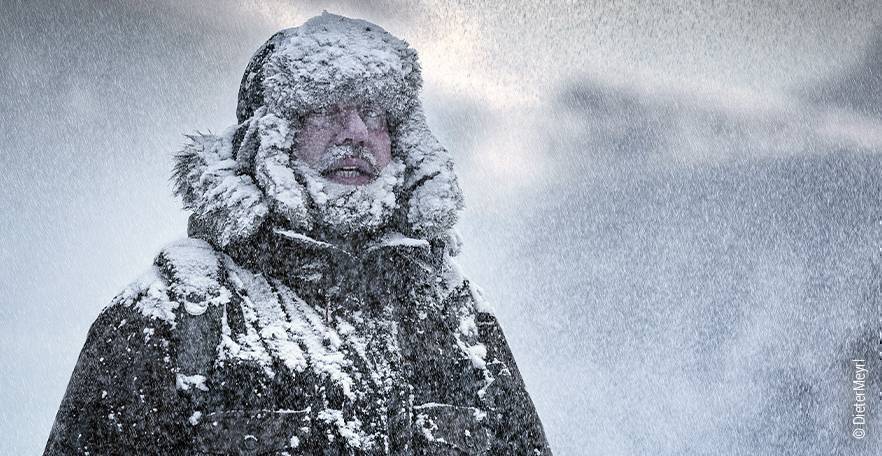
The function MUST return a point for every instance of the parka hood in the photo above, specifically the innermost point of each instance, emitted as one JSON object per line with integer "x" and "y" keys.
{"x": 240, "y": 180}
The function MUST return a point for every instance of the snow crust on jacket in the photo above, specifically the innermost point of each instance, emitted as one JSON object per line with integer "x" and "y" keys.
{"x": 259, "y": 334}
{"x": 234, "y": 181}
{"x": 190, "y": 277}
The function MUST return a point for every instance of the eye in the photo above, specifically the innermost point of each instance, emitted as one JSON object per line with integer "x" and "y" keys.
{"x": 374, "y": 118}
{"x": 326, "y": 112}
{"x": 322, "y": 116}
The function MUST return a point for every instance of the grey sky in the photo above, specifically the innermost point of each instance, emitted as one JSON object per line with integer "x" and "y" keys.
{"x": 659, "y": 185}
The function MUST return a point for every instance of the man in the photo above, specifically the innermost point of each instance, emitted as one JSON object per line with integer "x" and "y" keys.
{"x": 315, "y": 307}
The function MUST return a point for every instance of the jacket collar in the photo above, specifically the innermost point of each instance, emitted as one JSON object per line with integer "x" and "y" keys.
{"x": 317, "y": 268}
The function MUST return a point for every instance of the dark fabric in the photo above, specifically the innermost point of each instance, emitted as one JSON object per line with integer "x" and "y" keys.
{"x": 251, "y": 87}
{"x": 123, "y": 398}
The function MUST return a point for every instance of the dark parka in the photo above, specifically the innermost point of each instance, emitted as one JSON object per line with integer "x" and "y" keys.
{"x": 256, "y": 336}
{"x": 413, "y": 389}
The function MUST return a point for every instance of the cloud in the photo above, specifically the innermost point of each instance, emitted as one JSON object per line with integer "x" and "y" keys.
{"x": 665, "y": 126}
{"x": 859, "y": 87}
{"x": 673, "y": 241}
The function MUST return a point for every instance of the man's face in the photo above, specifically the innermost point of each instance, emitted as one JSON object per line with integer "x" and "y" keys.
{"x": 346, "y": 144}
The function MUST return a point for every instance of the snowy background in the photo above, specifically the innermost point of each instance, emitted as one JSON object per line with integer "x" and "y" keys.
{"x": 675, "y": 207}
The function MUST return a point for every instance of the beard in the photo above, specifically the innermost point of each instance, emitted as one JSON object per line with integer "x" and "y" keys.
{"x": 344, "y": 210}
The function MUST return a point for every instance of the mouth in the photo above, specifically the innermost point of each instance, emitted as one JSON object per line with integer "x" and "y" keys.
{"x": 350, "y": 171}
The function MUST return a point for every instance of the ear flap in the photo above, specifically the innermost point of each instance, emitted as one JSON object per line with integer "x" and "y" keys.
{"x": 433, "y": 196}
{"x": 272, "y": 142}
{"x": 225, "y": 202}
{"x": 246, "y": 142}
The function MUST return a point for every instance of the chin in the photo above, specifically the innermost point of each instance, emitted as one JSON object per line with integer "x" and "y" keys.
{"x": 347, "y": 202}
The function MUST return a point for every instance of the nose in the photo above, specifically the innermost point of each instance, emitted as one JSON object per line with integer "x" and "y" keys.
{"x": 353, "y": 129}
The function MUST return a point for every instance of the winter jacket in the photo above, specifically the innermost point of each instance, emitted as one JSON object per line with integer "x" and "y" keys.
{"x": 388, "y": 352}
{"x": 258, "y": 336}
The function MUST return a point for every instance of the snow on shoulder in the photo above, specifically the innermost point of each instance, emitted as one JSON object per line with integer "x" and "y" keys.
{"x": 147, "y": 294}
{"x": 184, "y": 272}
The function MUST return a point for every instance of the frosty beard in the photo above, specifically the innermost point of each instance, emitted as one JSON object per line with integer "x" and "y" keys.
{"x": 344, "y": 210}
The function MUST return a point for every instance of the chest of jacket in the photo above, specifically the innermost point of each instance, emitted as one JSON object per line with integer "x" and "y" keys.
{"x": 381, "y": 383}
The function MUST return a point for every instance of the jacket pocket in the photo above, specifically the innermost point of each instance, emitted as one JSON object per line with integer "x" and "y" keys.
{"x": 450, "y": 429}
{"x": 251, "y": 432}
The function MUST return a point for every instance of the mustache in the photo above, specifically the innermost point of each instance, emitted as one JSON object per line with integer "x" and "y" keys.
{"x": 334, "y": 154}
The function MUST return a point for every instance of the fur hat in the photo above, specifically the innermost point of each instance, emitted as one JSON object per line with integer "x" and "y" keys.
{"x": 330, "y": 59}
{"x": 235, "y": 181}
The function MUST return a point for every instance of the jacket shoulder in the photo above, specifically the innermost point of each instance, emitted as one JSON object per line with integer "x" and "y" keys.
{"x": 184, "y": 273}
{"x": 124, "y": 383}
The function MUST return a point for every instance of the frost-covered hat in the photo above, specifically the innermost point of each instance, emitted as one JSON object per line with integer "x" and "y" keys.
{"x": 330, "y": 59}
{"x": 235, "y": 181}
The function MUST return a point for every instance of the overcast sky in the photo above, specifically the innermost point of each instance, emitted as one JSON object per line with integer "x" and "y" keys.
{"x": 618, "y": 159}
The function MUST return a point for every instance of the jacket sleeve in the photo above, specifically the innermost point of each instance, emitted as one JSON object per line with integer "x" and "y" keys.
{"x": 120, "y": 398}
{"x": 515, "y": 423}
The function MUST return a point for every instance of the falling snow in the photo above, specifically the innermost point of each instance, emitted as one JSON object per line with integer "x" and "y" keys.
{"x": 673, "y": 213}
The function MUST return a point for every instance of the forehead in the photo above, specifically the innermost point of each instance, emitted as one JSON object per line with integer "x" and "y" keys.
{"x": 362, "y": 110}
{"x": 341, "y": 101}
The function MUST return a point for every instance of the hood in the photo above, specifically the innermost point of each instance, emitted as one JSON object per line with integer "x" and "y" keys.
{"x": 240, "y": 180}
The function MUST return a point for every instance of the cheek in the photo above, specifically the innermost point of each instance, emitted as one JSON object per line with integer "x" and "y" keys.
{"x": 311, "y": 144}
{"x": 381, "y": 145}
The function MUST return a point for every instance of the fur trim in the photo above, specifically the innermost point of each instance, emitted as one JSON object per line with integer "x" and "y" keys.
{"x": 327, "y": 60}
{"x": 211, "y": 183}
{"x": 235, "y": 181}
{"x": 434, "y": 198}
